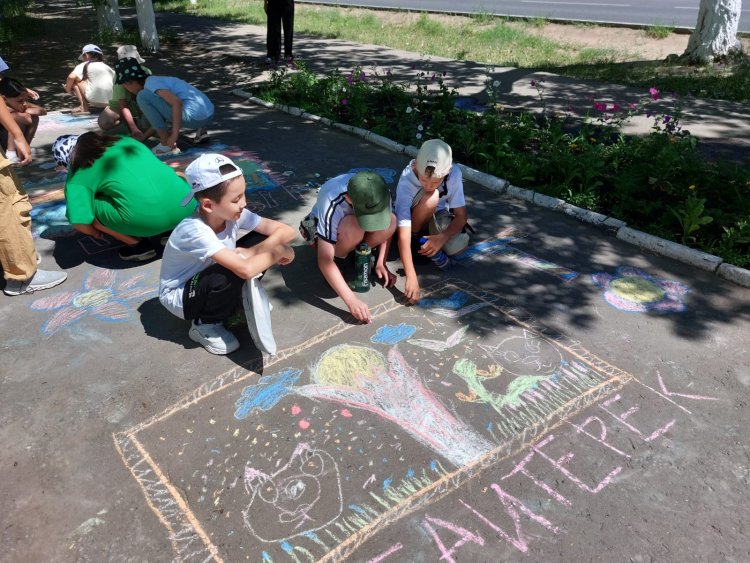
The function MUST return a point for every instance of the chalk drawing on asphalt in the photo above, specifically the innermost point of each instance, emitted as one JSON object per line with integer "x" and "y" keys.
{"x": 102, "y": 296}
{"x": 405, "y": 425}
{"x": 288, "y": 503}
{"x": 500, "y": 245}
{"x": 634, "y": 290}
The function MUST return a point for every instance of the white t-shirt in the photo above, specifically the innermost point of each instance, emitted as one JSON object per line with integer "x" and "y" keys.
{"x": 331, "y": 207}
{"x": 189, "y": 251}
{"x": 100, "y": 79}
{"x": 451, "y": 193}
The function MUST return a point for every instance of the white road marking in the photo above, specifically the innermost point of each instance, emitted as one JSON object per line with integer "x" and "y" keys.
{"x": 573, "y": 3}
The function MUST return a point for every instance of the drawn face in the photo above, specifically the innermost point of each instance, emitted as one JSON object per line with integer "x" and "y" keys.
{"x": 286, "y": 504}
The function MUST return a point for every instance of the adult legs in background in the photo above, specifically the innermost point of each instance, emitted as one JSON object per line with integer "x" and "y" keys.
{"x": 287, "y": 20}
{"x": 274, "y": 17}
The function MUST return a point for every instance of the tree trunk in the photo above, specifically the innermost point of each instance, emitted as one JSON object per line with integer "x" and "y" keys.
{"x": 108, "y": 17}
{"x": 715, "y": 34}
{"x": 147, "y": 25}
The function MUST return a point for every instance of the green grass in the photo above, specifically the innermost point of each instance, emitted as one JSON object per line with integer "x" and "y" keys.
{"x": 490, "y": 40}
{"x": 658, "y": 31}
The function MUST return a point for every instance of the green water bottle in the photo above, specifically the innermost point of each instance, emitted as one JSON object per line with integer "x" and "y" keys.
{"x": 362, "y": 268}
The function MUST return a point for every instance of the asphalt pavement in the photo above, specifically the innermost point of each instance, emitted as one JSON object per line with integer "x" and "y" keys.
{"x": 560, "y": 395}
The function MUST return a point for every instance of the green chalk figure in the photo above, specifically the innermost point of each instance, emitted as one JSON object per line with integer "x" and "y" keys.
{"x": 467, "y": 370}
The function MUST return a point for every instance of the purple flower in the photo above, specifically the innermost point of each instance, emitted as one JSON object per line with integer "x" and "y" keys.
{"x": 345, "y": 102}
{"x": 350, "y": 78}
{"x": 633, "y": 106}
{"x": 388, "y": 72}
{"x": 666, "y": 119}
{"x": 362, "y": 76}
{"x": 533, "y": 83}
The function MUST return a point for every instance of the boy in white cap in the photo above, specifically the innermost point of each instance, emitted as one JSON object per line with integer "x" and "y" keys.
{"x": 91, "y": 81}
{"x": 351, "y": 209}
{"x": 430, "y": 204}
{"x": 203, "y": 272}
{"x": 123, "y": 108}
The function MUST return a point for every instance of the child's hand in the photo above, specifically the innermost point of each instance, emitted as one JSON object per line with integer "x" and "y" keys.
{"x": 32, "y": 94}
{"x": 411, "y": 290}
{"x": 385, "y": 275}
{"x": 359, "y": 310}
{"x": 287, "y": 257}
{"x": 434, "y": 244}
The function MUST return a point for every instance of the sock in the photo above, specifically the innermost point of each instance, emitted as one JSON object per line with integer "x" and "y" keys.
{"x": 11, "y": 154}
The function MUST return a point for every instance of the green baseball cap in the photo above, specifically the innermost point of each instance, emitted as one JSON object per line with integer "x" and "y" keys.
{"x": 371, "y": 200}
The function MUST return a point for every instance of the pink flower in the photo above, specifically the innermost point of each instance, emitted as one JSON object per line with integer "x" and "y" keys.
{"x": 600, "y": 106}
{"x": 345, "y": 102}
{"x": 615, "y": 107}
{"x": 633, "y": 106}
{"x": 654, "y": 93}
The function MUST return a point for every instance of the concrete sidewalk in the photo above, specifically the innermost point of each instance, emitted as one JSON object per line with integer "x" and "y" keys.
{"x": 561, "y": 396}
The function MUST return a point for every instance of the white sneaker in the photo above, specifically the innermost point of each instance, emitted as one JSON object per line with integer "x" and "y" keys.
{"x": 42, "y": 279}
{"x": 214, "y": 337}
{"x": 258, "y": 315}
{"x": 164, "y": 149}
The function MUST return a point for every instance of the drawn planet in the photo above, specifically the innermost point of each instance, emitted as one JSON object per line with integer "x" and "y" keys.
{"x": 637, "y": 289}
{"x": 343, "y": 365}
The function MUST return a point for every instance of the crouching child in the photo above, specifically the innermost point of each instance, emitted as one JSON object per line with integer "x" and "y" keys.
{"x": 351, "y": 209}
{"x": 430, "y": 205}
{"x": 203, "y": 272}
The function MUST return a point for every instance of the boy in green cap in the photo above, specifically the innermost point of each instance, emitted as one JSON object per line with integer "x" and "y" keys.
{"x": 351, "y": 209}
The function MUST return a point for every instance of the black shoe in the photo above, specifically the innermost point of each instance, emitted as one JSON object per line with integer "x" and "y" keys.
{"x": 140, "y": 252}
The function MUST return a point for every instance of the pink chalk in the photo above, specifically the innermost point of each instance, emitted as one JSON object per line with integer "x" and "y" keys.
{"x": 296, "y": 410}
{"x": 304, "y": 424}
{"x": 346, "y": 413}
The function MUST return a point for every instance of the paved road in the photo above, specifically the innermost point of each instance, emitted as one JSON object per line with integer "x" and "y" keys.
{"x": 678, "y": 13}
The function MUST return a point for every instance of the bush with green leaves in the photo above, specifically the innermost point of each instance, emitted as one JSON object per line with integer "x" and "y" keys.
{"x": 659, "y": 182}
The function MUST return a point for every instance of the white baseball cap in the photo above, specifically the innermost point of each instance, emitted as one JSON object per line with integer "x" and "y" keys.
{"x": 203, "y": 173}
{"x": 435, "y": 153}
{"x": 129, "y": 52}
{"x": 90, "y": 48}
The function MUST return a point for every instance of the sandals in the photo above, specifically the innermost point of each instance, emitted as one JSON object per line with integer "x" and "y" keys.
{"x": 201, "y": 135}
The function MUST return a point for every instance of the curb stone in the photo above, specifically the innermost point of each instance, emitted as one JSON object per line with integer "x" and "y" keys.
{"x": 663, "y": 247}
{"x": 679, "y": 252}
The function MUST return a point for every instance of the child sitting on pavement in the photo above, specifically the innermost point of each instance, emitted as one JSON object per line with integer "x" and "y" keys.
{"x": 25, "y": 114}
{"x": 123, "y": 108}
{"x": 168, "y": 103}
{"x": 90, "y": 81}
{"x": 351, "y": 208}
{"x": 430, "y": 204}
{"x": 203, "y": 272}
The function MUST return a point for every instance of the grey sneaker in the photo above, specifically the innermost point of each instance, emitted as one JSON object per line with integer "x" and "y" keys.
{"x": 258, "y": 315}
{"x": 214, "y": 337}
{"x": 42, "y": 279}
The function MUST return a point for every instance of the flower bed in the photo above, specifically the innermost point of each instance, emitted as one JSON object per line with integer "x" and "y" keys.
{"x": 658, "y": 183}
